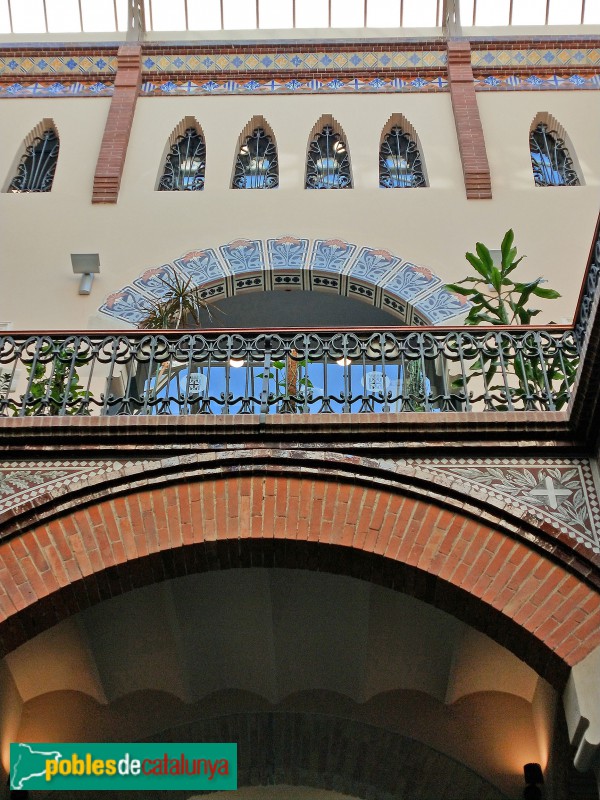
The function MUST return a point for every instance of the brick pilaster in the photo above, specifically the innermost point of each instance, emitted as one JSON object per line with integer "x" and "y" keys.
{"x": 471, "y": 143}
{"x": 118, "y": 125}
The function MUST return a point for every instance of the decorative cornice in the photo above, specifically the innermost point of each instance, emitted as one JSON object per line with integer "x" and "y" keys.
{"x": 293, "y": 68}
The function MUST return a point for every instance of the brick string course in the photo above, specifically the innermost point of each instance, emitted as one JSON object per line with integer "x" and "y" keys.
{"x": 525, "y": 601}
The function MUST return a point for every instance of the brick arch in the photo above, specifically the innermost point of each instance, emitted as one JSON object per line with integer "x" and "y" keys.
{"x": 527, "y": 602}
{"x": 376, "y": 764}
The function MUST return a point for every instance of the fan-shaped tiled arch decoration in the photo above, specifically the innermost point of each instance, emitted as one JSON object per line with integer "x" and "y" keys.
{"x": 412, "y": 293}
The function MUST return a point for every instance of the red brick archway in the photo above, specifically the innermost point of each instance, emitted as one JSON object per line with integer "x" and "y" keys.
{"x": 506, "y": 588}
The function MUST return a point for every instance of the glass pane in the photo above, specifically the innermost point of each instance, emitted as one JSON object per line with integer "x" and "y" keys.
{"x": 63, "y": 16}
{"x": 592, "y": 12}
{"x": 419, "y": 13}
{"x": 492, "y": 12}
{"x": 239, "y": 14}
{"x": 148, "y": 15}
{"x": 276, "y": 14}
{"x": 466, "y": 12}
{"x": 312, "y": 14}
{"x": 347, "y": 13}
{"x": 564, "y": 12}
{"x": 122, "y": 14}
{"x": 28, "y": 16}
{"x": 98, "y": 15}
{"x": 168, "y": 15}
{"x": 529, "y": 12}
{"x": 204, "y": 15}
{"x": 4, "y": 18}
{"x": 383, "y": 13}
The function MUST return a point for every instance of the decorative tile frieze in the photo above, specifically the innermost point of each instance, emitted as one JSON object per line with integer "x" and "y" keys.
{"x": 525, "y": 82}
{"x": 57, "y": 89}
{"x": 330, "y": 60}
{"x": 536, "y": 57}
{"x": 378, "y": 277}
{"x": 295, "y": 85}
{"x": 60, "y": 65}
{"x": 559, "y": 491}
{"x": 289, "y": 70}
{"x": 25, "y": 481}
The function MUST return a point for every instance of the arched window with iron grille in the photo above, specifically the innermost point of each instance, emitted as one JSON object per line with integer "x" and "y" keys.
{"x": 37, "y": 166}
{"x": 551, "y": 162}
{"x": 256, "y": 165}
{"x": 185, "y": 163}
{"x": 400, "y": 163}
{"x": 328, "y": 159}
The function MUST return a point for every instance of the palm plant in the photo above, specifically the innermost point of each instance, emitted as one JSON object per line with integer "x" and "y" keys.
{"x": 179, "y": 307}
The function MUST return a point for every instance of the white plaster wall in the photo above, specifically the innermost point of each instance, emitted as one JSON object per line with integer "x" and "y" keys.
{"x": 432, "y": 227}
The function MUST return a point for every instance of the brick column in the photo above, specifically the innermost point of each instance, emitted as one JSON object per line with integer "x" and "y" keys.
{"x": 471, "y": 144}
{"x": 118, "y": 125}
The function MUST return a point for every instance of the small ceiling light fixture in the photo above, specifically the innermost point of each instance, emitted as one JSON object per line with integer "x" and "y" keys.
{"x": 344, "y": 362}
{"x": 534, "y": 778}
{"x": 236, "y": 362}
{"x": 87, "y": 265}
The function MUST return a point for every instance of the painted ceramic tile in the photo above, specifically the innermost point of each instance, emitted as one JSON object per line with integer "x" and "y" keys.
{"x": 65, "y": 64}
{"x": 287, "y": 252}
{"x": 331, "y": 255}
{"x": 411, "y": 280}
{"x": 126, "y": 304}
{"x": 155, "y": 281}
{"x": 372, "y": 264}
{"x": 203, "y": 266}
{"x": 243, "y": 255}
{"x": 559, "y": 490}
{"x": 442, "y": 305}
{"x": 539, "y": 57}
{"x": 331, "y": 61}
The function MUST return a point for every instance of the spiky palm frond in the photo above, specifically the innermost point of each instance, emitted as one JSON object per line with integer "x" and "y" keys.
{"x": 179, "y": 307}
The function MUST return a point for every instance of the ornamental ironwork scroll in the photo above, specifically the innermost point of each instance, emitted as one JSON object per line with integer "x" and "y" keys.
{"x": 328, "y": 162}
{"x": 256, "y": 165}
{"x": 185, "y": 164}
{"x": 310, "y": 371}
{"x": 400, "y": 164}
{"x": 550, "y": 159}
{"x": 36, "y": 171}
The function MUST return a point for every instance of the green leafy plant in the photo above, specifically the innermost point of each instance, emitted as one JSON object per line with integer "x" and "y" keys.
{"x": 499, "y": 300}
{"x": 48, "y": 393}
{"x": 496, "y": 298}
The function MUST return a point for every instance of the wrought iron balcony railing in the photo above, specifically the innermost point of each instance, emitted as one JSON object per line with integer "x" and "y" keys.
{"x": 291, "y": 371}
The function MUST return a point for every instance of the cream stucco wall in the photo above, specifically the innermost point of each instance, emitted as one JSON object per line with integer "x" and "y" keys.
{"x": 432, "y": 227}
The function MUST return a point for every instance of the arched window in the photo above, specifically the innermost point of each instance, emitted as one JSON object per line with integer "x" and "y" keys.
{"x": 328, "y": 159}
{"x": 400, "y": 163}
{"x": 550, "y": 160}
{"x": 35, "y": 172}
{"x": 185, "y": 163}
{"x": 256, "y": 164}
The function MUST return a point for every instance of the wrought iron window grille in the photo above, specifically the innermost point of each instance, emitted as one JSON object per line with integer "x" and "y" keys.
{"x": 35, "y": 173}
{"x": 256, "y": 165}
{"x": 328, "y": 162}
{"x": 400, "y": 164}
{"x": 550, "y": 159}
{"x": 185, "y": 164}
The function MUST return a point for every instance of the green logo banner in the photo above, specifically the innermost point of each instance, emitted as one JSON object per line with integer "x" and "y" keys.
{"x": 118, "y": 766}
